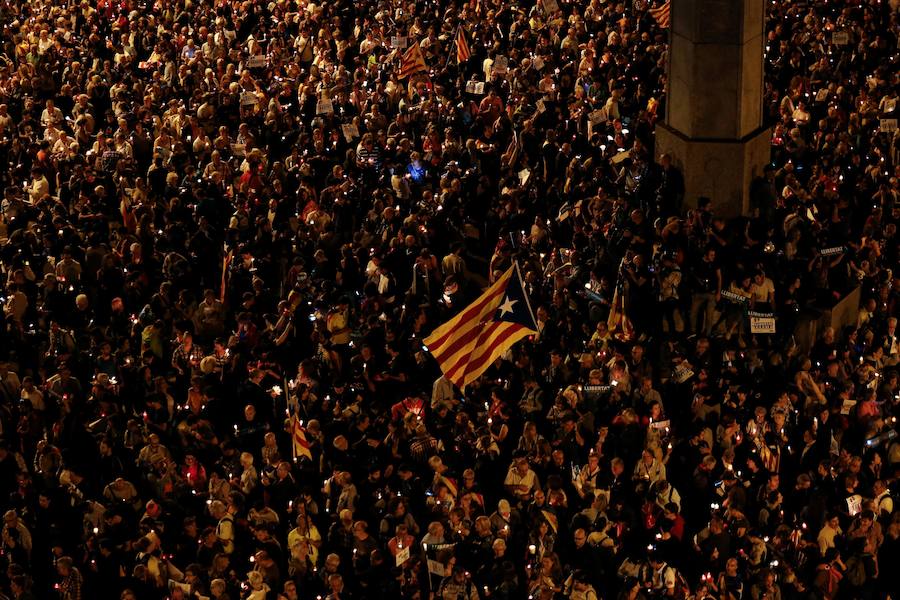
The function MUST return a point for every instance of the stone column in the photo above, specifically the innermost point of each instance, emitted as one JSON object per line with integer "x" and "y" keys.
{"x": 713, "y": 126}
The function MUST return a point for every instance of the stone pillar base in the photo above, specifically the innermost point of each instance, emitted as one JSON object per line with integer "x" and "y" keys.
{"x": 717, "y": 169}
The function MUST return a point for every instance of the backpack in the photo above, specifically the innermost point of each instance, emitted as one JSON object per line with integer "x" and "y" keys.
{"x": 856, "y": 571}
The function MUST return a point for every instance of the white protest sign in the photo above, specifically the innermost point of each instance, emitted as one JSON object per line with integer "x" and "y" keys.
{"x": 248, "y": 98}
{"x": 436, "y": 568}
{"x": 833, "y": 250}
{"x": 257, "y": 61}
{"x": 350, "y": 131}
{"x": 762, "y": 325}
{"x": 682, "y": 373}
{"x": 324, "y": 107}
{"x": 398, "y": 41}
{"x": 402, "y": 556}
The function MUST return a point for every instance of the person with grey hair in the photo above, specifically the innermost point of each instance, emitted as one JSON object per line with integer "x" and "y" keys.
{"x": 70, "y": 579}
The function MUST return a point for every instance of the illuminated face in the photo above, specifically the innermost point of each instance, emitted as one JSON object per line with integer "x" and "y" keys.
{"x": 731, "y": 567}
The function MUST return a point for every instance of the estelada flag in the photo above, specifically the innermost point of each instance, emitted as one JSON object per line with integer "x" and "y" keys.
{"x": 412, "y": 62}
{"x": 618, "y": 322}
{"x": 466, "y": 345}
{"x": 551, "y": 519}
{"x": 462, "y": 46}
{"x": 452, "y": 488}
{"x": 299, "y": 442}
{"x": 661, "y": 14}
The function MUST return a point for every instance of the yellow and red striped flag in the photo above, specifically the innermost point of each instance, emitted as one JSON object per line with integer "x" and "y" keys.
{"x": 463, "y": 52}
{"x": 226, "y": 262}
{"x": 412, "y": 62}
{"x": 618, "y": 322}
{"x": 661, "y": 14}
{"x": 299, "y": 443}
{"x": 466, "y": 345}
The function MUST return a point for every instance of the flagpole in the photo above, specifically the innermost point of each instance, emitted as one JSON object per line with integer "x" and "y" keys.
{"x": 524, "y": 291}
{"x": 453, "y": 48}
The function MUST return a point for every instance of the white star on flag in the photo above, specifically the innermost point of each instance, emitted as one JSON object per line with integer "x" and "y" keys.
{"x": 507, "y": 306}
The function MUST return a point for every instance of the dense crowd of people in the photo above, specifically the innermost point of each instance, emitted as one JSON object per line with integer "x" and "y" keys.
{"x": 222, "y": 216}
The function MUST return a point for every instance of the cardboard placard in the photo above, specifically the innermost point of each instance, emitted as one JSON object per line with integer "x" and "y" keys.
{"x": 324, "y": 107}
{"x": 661, "y": 424}
{"x": 402, "y": 556}
{"x": 890, "y": 104}
{"x": 620, "y": 157}
{"x": 257, "y": 61}
{"x": 822, "y": 95}
{"x": 840, "y": 38}
{"x": 248, "y": 99}
{"x": 350, "y": 131}
{"x": 764, "y": 325}
{"x": 682, "y": 373}
{"x": 436, "y": 568}
{"x": 550, "y": 6}
{"x": 887, "y": 125}
{"x": 479, "y": 88}
{"x": 601, "y": 115}
{"x": 398, "y": 41}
